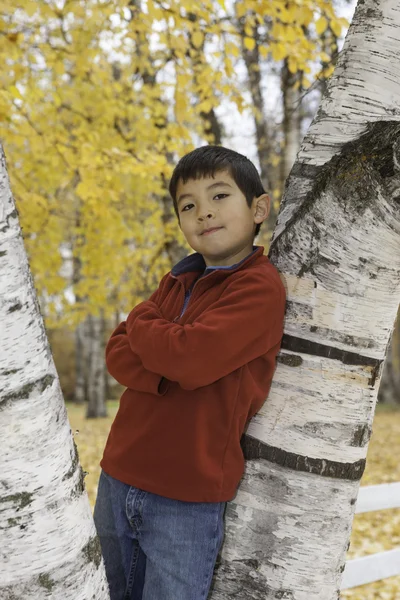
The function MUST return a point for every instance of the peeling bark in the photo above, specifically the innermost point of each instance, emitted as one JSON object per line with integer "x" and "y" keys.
{"x": 47, "y": 534}
{"x": 337, "y": 245}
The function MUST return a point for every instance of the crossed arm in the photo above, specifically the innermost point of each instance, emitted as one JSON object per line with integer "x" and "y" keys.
{"x": 126, "y": 366}
{"x": 243, "y": 324}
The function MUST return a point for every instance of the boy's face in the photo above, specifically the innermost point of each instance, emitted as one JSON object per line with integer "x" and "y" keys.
{"x": 217, "y": 202}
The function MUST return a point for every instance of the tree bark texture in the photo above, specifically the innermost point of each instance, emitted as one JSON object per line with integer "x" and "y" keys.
{"x": 337, "y": 245}
{"x": 48, "y": 543}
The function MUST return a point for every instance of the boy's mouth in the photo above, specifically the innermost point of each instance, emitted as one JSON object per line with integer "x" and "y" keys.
{"x": 211, "y": 230}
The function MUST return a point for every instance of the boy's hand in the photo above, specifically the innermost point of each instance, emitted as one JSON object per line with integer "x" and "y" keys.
{"x": 242, "y": 325}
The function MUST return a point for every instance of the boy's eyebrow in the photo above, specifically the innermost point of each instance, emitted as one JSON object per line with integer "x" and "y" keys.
{"x": 210, "y": 187}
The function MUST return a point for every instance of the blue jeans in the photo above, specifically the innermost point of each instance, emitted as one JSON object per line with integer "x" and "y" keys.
{"x": 155, "y": 548}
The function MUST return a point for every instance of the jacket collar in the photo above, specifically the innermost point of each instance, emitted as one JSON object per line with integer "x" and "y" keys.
{"x": 195, "y": 262}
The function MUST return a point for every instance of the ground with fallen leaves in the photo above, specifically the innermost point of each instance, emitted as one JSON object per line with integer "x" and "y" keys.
{"x": 372, "y": 532}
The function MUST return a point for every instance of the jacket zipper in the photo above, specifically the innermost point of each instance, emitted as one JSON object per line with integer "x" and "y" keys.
{"x": 191, "y": 296}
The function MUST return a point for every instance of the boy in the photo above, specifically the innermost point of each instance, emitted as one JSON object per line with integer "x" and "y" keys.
{"x": 197, "y": 360}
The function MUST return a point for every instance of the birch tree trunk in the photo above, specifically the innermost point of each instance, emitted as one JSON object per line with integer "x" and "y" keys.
{"x": 81, "y": 363}
{"x": 337, "y": 245}
{"x": 263, "y": 131}
{"x": 97, "y": 372}
{"x": 48, "y": 543}
{"x": 291, "y": 120}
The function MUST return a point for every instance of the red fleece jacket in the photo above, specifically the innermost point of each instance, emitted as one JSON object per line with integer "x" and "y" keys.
{"x": 194, "y": 381}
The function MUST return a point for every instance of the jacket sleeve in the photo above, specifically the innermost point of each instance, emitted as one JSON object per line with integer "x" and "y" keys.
{"x": 126, "y": 366}
{"x": 243, "y": 324}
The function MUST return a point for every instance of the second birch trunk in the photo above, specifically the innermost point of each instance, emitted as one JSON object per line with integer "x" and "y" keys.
{"x": 337, "y": 245}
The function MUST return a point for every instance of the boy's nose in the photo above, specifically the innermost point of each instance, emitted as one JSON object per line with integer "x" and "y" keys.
{"x": 204, "y": 214}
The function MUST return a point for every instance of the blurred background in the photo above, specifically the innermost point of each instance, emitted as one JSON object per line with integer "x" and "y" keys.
{"x": 98, "y": 100}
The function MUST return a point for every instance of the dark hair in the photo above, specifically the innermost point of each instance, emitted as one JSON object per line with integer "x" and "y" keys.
{"x": 208, "y": 160}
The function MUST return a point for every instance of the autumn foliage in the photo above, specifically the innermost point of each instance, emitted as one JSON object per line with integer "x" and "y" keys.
{"x": 98, "y": 100}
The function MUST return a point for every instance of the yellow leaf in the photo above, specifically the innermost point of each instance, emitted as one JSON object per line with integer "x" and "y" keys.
{"x": 197, "y": 39}
{"x": 228, "y": 66}
{"x": 249, "y": 43}
{"x": 336, "y": 27}
{"x": 328, "y": 71}
{"x": 278, "y": 51}
{"x": 304, "y": 15}
{"x": 325, "y": 57}
{"x": 241, "y": 9}
{"x": 290, "y": 34}
{"x": 205, "y": 106}
{"x": 277, "y": 31}
{"x": 321, "y": 25}
{"x": 15, "y": 93}
{"x": 292, "y": 64}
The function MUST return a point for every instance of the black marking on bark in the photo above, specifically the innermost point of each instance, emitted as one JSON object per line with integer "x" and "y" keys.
{"x": 284, "y": 595}
{"x": 80, "y": 484}
{"x": 3, "y": 253}
{"x": 290, "y": 360}
{"x": 374, "y": 13}
{"x": 249, "y": 562}
{"x": 15, "y": 307}
{"x": 376, "y": 371}
{"x": 255, "y": 450}
{"x": 92, "y": 551}
{"x": 299, "y": 309}
{"x": 23, "y": 498}
{"x": 26, "y": 390}
{"x": 46, "y": 582}
{"x": 12, "y": 215}
{"x": 295, "y": 344}
{"x": 74, "y": 462}
{"x": 10, "y": 372}
{"x": 361, "y": 436}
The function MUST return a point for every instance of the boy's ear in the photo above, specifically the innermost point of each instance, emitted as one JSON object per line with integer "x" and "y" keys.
{"x": 262, "y": 206}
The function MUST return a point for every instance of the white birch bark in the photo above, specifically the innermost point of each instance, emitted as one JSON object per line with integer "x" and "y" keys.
{"x": 48, "y": 543}
{"x": 337, "y": 244}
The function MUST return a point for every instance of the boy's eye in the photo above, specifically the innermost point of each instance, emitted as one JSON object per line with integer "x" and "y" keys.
{"x": 217, "y": 197}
